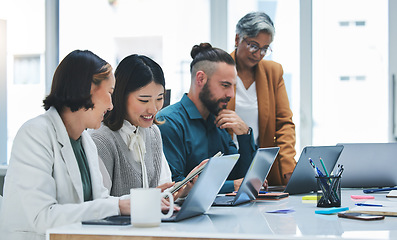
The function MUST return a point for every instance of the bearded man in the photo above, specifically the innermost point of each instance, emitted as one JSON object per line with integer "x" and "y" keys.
{"x": 194, "y": 129}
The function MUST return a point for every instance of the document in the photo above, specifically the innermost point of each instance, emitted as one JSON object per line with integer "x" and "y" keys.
{"x": 385, "y": 208}
{"x": 392, "y": 194}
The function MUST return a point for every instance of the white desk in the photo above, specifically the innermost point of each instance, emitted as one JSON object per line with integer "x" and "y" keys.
{"x": 249, "y": 221}
{"x": 3, "y": 170}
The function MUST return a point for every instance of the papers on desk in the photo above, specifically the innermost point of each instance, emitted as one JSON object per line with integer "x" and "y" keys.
{"x": 392, "y": 194}
{"x": 388, "y": 208}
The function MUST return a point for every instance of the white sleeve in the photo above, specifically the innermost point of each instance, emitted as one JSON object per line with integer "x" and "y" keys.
{"x": 165, "y": 173}
{"x": 107, "y": 182}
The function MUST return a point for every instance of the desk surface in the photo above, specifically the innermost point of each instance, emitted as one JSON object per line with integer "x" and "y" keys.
{"x": 250, "y": 221}
{"x": 3, "y": 170}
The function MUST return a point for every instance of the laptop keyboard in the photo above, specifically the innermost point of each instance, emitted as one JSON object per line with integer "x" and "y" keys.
{"x": 225, "y": 200}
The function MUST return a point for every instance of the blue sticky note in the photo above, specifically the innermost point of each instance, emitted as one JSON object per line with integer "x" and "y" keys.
{"x": 332, "y": 210}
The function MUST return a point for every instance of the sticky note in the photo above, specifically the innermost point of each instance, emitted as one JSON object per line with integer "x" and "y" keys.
{"x": 332, "y": 210}
{"x": 362, "y": 197}
{"x": 288, "y": 210}
{"x": 309, "y": 197}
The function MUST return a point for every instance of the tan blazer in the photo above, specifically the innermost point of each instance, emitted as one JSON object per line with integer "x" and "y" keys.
{"x": 275, "y": 118}
{"x": 43, "y": 187}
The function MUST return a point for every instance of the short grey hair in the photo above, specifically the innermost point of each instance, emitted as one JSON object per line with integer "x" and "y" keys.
{"x": 254, "y": 22}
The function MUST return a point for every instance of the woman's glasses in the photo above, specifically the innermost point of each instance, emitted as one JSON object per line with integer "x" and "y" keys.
{"x": 253, "y": 48}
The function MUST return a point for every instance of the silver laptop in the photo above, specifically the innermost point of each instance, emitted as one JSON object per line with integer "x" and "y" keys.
{"x": 303, "y": 178}
{"x": 369, "y": 165}
{"x": 253, "y": 180}
{"x": 200, "y": 197}
{"x": 205, "y": 189}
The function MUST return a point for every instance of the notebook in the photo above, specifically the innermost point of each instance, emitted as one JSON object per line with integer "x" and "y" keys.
{"x": 369, "y": 165}
{"x": 303, "y": 179}
{"x": 253, "y": 180}
{"x": 392, "y": 194}
{"x": 200, "y": 197}
{"x": 386, "y": 208}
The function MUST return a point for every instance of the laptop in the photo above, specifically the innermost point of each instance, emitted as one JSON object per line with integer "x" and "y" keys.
{"x": 303, "y": 178}
{"x": 253, "y": 180}
{"x": 369, "y": 165}
{"x": 205, "y": 189}
{"x": 200, "y": 197}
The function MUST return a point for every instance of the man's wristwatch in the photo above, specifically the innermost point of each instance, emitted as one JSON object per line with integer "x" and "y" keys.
{"x": 249, "y": 131}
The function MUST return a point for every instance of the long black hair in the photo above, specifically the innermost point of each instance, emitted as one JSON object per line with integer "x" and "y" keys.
{"x": 132, "y": 73}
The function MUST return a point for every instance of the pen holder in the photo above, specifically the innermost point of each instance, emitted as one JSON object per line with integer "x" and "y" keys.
{"x": 328, "y": 194}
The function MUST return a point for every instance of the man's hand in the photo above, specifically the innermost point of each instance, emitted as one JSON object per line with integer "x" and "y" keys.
{"x": 237, "y": 183}
{"x": 287, "y": 176}
{"x": 265, "y": 185}
{"x": 229, "y": 119}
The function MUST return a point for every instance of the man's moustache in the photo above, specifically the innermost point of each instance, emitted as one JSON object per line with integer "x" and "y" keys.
{"x": 225, "y": 100}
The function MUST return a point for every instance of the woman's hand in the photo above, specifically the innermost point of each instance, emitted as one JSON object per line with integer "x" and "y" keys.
{"x": 165, "y": 205}
{"x": 124, "y": 206}
{"x": 183, "y": 192}
{"x": 166, "y": 186}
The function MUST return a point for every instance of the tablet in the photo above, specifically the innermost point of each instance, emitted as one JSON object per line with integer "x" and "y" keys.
{"x": 112, "y": 220}
{"x": 189, "y": 177}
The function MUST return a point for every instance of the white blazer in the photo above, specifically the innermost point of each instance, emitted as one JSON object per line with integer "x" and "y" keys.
{"x": 43, "y": 187}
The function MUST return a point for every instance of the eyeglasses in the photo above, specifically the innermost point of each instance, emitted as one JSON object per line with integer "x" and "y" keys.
{"x": 253, "y": 48}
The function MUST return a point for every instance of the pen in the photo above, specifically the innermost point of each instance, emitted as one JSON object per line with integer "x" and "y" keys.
{"x": 340, "y": 170}
{"x": 378, "y": 190}
{"x": 325, "y": 170}
{"x": 262, "y": 192}
{"x": 369, "y": 205}
{"x": 314, "y": 167}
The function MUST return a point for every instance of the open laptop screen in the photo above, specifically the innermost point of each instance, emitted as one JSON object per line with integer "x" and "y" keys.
{"x": 303, "y": 179}
{"x": 369, "y": 165}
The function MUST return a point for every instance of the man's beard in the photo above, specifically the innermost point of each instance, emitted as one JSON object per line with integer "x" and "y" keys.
{"x": 205, "y": 97}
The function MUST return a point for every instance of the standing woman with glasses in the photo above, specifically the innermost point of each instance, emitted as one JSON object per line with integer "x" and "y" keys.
{"x": 261, "y": 98}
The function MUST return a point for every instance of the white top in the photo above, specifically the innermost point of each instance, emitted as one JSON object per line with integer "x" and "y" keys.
{"x": 135, "y": 140}
{"x": 247, "y": 107}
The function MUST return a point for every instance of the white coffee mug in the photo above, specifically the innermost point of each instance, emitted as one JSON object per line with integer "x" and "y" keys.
{"x": 146, "y": 206}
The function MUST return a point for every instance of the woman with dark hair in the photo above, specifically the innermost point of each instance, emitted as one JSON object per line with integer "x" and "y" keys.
{"x": 261, "y": 98}
{"x": 128, "y": 142}
{"x": 53, "y": 177}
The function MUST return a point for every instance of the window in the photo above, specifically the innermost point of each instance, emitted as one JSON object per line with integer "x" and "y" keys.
{"x": 350, "y": 82}
{"x": 27, "y": 69}
{"x": 25, "y": 34}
